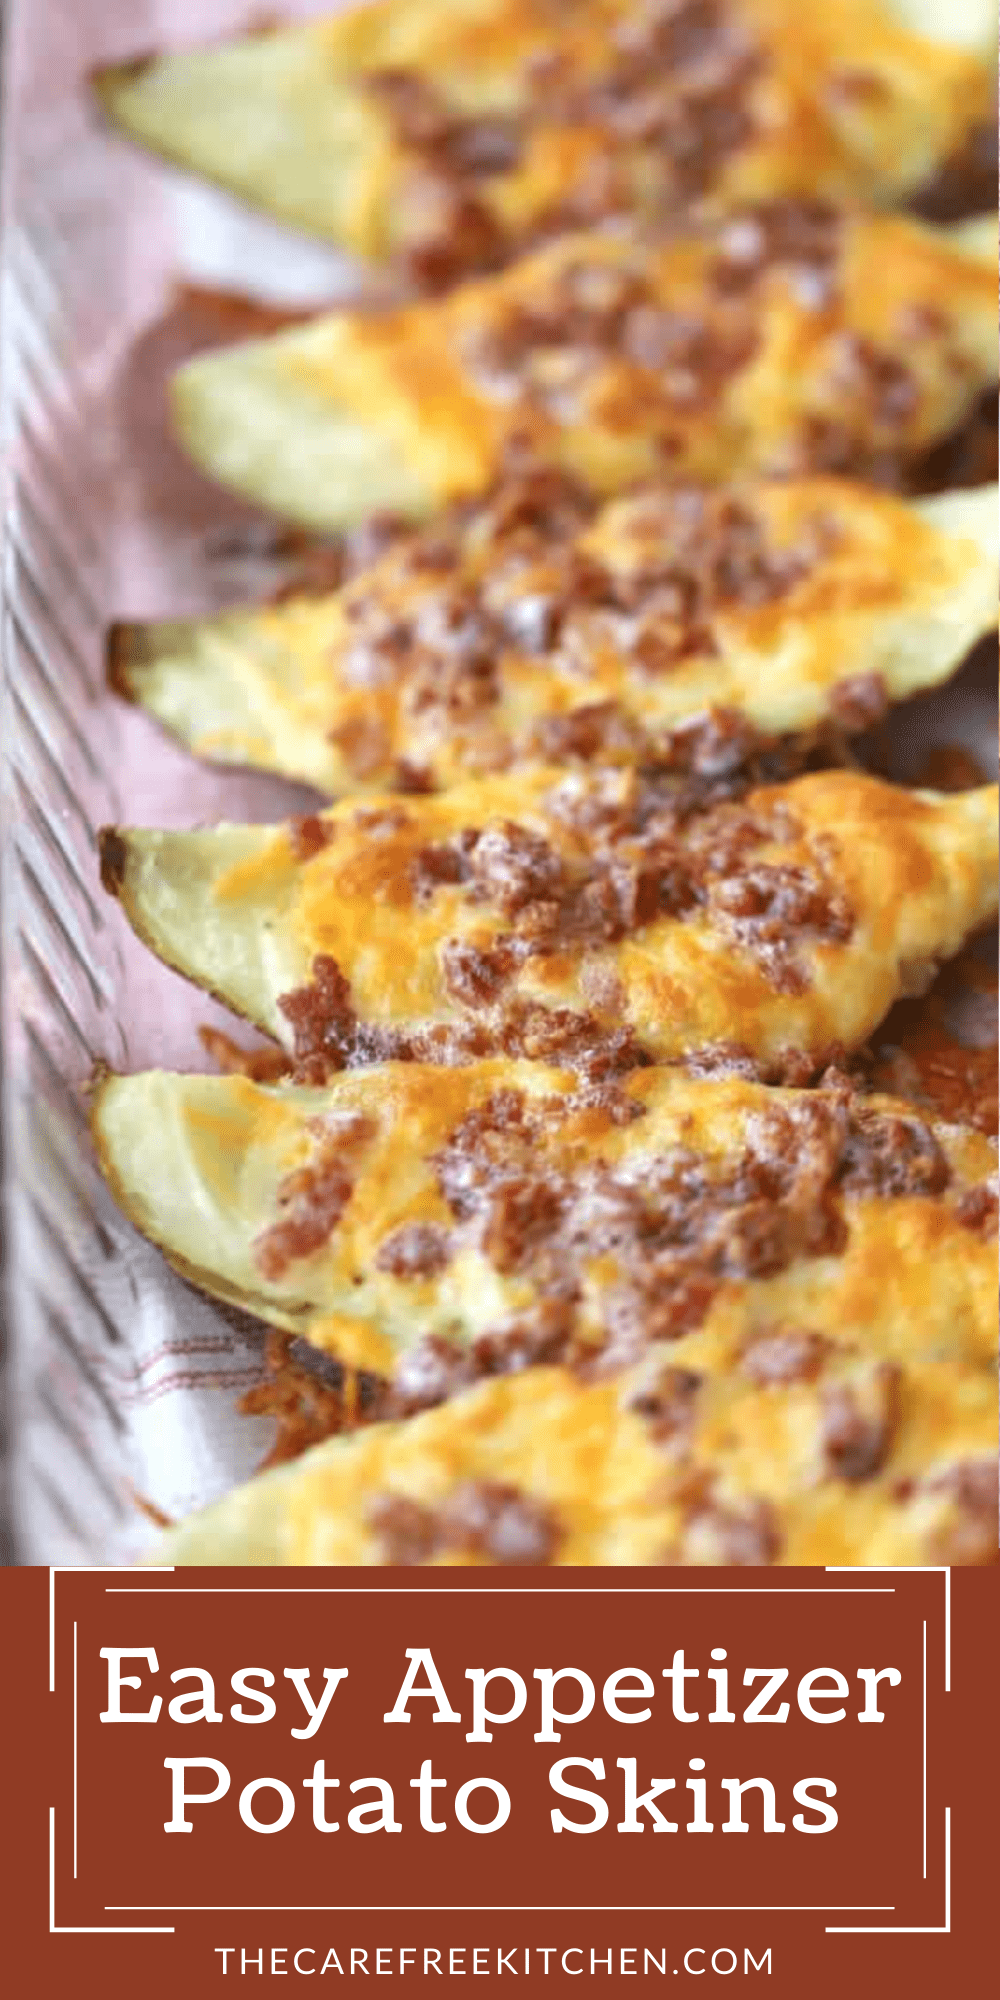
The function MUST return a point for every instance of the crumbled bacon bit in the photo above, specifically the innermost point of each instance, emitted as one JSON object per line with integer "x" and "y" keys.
{"x": 413, "y": 778}
{"x": 382, "y": 821}
{"x": 722, "y": 842}
{"x": 675, "y": 1235}
{"x": 321, "y": 1017}
{"x": 800, "y": 235}
{"x": 414, "y": 108}
{"x": 318, "y": 565}
{"x": 311, "y": 1202}
{"x": 783, "y": 1356}
{"x": 363, "y": 743}
{"x": 537, "y": 925}
{"x": 500, "y": 1523}
{"x": 699, "y": 553}
{"x": 939, "y": 1052}
{"x": 618, "y": 899}
{"x": 543, "y": 1335}
{"x": 976, "y": 1209}
{"x": 534, "y": 502}
{"x": 532, "y": 623}
{"x": 380, "y": 645}
{"x": 886, "y": 1154}
{"x": 446, "y": 227}
{"x": 519, "y": 1215}
{"x": 859, "y": 701}
{"x": 563, "y": 1037}
{"x": 475, "y": 975}
{"x": 448, "y": 230}
{"x": 481, "y": 1141}
{"x": 720, "y": 744}
{"x": 551, "y": 352}
{"x": 664, "y": 843}
{"x": 793, "y": 1068}
{"x": 496, "y": 1522}
{"x": 668, "y": 1403}
{"x": 888, "y": 387}
{"x": 770, "y": 908}
{"x": 859, "y": 1422}
{"x": 744, "y": 1535}
{"x": 454, "y": 682}
{"x": 970, "y": 1535}
{"x": 434, "y": 866}
{"x": 310, "y": 1396}
{"x": 428, "y": 1374}
{"x": 509, "y": 866}
{"x": 594, "y": 729}
{"x": 264, "y": 1065}
{"x": 406, "y": 1531}
{"x": 674, "y": 100}
{"x": 701, "y": 361}
{"x": 415, "y": 1250}
{"x": 308, "y": 836}
{"x": 603, "y": 989}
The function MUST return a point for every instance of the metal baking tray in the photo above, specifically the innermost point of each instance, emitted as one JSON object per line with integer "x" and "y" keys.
{"x": 120, "y": 1383}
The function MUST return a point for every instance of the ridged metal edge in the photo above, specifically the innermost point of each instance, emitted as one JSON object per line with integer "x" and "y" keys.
{"x": 66, "y": 1439}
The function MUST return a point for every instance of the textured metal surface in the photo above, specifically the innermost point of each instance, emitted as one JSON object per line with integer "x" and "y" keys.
{"x": 60, "y": 968}
{"x": 116, "y": 1381}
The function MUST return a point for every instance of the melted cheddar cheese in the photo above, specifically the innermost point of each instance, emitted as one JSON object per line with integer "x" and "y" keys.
{"x": 578, "y": 915}
{"x": 394, "y": 126}
{"x": 771, "y": 342}
{"x": 473, "y": 646}
{"x": 471, "y": 1220}
{"x": 541, "y": 1468}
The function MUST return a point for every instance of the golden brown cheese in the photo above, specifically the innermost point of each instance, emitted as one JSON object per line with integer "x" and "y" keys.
{"x": 857, "y": 1465}
{"x": 451, "y": 131}
{"x": 780, "y": 340}
{"x": 539, "y": 623}
{"x": 592, "y": 917}
{"x": 438, "y": 1225}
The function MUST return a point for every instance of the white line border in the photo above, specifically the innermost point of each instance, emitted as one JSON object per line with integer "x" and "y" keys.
{"x": 477, "y": 1909}
{"x": 924, "y": 1746}
{"x": 76, "y": 1569}
{"x": 92, "y": 1930}
{"x": 249, "y": 1590}
{"x": 908, "y": 1930}
{"x": 476, "y": 1590}
{"x": 75, "y": 1787}
{"x": 908, "y": 1569}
